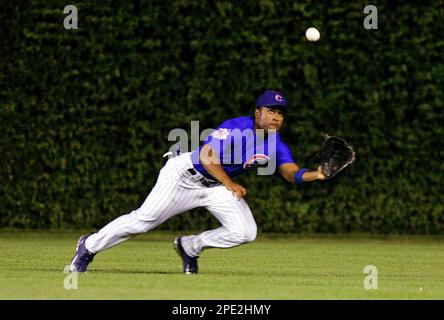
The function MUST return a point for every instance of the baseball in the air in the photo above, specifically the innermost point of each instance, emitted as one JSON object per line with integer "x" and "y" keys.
{"x": 312, "y": 34}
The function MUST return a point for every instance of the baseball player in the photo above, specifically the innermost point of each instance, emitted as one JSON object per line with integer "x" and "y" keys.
{"x": 204, "y": 178}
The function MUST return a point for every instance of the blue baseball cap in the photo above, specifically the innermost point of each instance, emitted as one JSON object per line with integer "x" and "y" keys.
{"x": 271, "y": 98}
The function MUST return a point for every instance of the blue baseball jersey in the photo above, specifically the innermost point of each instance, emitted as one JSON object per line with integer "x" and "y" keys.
{"x": 240, "y": 149}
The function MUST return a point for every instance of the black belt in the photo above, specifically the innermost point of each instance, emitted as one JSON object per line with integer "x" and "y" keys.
{"x": 192, "y": 171}
{"x": 207, "y": 182}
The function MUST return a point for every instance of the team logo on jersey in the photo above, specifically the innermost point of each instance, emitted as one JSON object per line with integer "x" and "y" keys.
{"x": 221, "y": 134}
{"x": 279, "y": 98}
{"x": 257, "y": 160}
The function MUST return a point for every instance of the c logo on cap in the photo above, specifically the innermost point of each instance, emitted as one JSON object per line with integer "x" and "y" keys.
{"x": 278, "y": 98}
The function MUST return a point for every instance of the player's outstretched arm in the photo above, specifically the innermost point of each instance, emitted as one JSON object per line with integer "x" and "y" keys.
{"x": 293, "y": 174}
{"x": 211, "y": 162}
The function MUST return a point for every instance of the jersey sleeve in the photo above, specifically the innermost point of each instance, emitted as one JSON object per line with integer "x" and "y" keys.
{"x": 283, "y": 154}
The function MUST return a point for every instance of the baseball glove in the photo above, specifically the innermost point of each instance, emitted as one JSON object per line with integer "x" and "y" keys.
{"x": 336, "y": 155}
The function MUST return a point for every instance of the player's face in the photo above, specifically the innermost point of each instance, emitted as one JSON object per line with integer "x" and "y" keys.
{"x": 269, "y": 118}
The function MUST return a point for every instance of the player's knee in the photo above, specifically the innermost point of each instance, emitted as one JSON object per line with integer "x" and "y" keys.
{"x": 140, "y": 224}
{"x": 247, "y": 235}
{"x": 251, "y": 234}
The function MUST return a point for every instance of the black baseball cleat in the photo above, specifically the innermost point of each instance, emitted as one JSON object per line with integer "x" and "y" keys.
{"x": 189, "y": 264}
{"x": 82, "y": 257}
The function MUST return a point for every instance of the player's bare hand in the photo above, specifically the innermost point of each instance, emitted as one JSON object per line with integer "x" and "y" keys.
{"x": 321, "y": 175}
{"x": 238, "y": 190}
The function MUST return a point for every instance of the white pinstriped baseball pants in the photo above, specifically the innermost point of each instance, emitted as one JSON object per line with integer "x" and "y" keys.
{"x": 177, "y": 190}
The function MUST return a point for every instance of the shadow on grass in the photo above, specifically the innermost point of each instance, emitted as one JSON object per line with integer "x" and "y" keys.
{"x": 98, "y": 271}
{"x": 132, "y": 271}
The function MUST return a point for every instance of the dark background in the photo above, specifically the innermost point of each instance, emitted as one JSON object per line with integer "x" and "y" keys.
{"x": 85, "y": 114}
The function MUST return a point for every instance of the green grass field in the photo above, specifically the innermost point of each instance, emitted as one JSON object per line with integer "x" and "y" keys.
{"x": 273, "y": 267}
